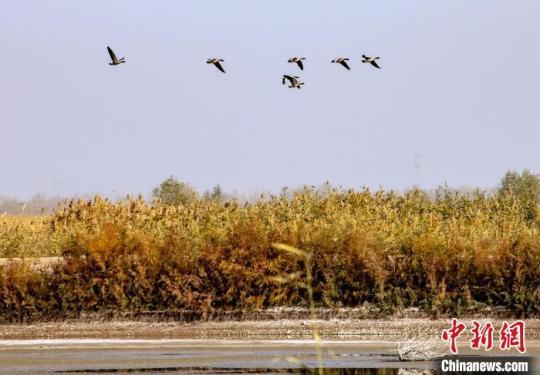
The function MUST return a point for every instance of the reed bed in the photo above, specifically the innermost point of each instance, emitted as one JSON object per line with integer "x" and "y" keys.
{"x": 28, "y": 236}
{"x": 454, "y": 254}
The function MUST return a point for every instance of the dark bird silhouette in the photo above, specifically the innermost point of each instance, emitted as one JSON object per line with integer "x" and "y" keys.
{"x": 293, "y": 80}
{"x": 217, "y": 63}
{"x": 342, "y": 61}
{"x": 115, "y": 61}
{"x": 298, "y": 61}
{"x": 371, "y": 60}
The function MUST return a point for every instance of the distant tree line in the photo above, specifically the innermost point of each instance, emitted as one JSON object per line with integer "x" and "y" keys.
{"x": 174, "y": 192}
{"x": 524, "y": 186}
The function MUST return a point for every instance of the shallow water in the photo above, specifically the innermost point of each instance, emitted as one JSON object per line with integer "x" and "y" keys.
{"x": 196, "y": 356}
{"x": 206, "y": 371}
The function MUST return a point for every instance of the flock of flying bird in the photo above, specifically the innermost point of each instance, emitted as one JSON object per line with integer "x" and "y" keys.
{"x": 294, "y": 81}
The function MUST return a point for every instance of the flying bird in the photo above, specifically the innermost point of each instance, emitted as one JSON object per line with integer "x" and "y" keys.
{"x": 217, "y": 63}
{"x": 298, "y": 60}
{"x": 371, "y": 60}
{"x": 115, "y": 61}
{"x": 342, "y": 61}
{"x": 293, "y": 80}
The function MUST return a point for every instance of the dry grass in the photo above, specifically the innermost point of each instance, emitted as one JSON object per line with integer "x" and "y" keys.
{"x": 420, "y": 349}
{"x": 307, "y": 284}
{"x": 453, "y": 255}
{"x": 28, "y": 236}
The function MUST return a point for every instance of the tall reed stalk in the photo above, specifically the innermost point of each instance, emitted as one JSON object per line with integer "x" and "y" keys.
{"x": 308, "y": 285}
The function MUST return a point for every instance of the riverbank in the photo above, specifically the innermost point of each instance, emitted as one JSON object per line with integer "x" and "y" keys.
{"x": 374, "y": 330}
{"x": 227, "y": 346}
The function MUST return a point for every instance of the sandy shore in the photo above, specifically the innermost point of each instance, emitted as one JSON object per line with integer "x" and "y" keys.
{"x": 387, "y": 330}
{"x": 113, "y": 346}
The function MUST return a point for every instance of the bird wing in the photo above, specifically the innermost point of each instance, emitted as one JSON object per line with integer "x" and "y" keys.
{"x": 289, "y": 78}
{"x": 300, "y": 64}
{"x": 375, "y": 64}
{"x": 344, "y": 63}
{"x": 111, "y": 53}
{"x": 218, "y": 65}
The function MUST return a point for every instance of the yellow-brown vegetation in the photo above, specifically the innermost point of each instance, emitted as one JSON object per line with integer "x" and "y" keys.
{"x": 455, "y": 254}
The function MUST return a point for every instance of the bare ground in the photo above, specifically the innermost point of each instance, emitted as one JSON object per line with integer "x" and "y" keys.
{"x": 138, "y": 346}
{"x": 376, "y": 330}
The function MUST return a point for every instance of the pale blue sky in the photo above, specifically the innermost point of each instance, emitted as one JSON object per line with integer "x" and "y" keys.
{"x": 460, "y": 87}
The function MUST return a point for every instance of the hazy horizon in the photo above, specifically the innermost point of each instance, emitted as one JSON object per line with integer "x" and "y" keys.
{"x": 455, "y": 100}
{"x": 246, "y": 195}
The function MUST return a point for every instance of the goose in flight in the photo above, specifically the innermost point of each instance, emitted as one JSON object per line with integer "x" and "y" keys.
{"x": 216, "y": 63}
{"x": 371, "y": 60}
{"x": 293, "y": 80}
{"x": 342, "y": 61}
{"x": 298, "y": 60}
{"x": 115, "y": 61}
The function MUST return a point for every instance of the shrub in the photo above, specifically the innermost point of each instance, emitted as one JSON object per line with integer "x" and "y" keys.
{"x": 455, "y": 254}
{"x": 526, "y": 188}
{"x": 173, "y": 192}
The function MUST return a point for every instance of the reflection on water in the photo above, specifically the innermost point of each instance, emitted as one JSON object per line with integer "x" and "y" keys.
{"x": 214, "y": 370}
{"x": 207, "y": 357}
